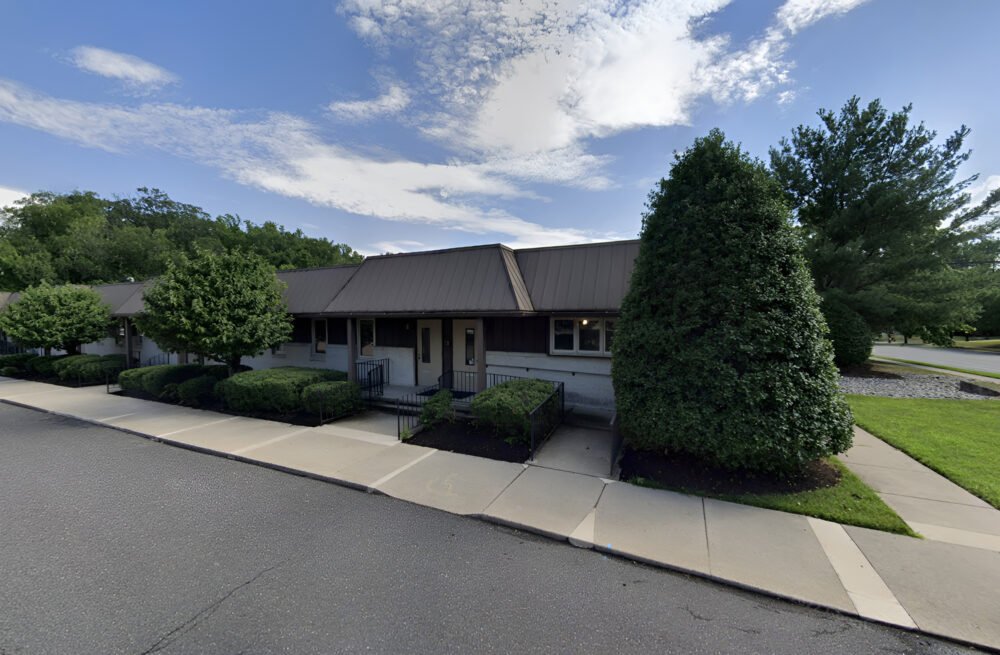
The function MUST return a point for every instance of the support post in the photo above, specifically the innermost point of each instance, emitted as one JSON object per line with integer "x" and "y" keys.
{"x": 480, "y": 355}
{"x": 352, "y": 350}
{"x": 128, "y": 342}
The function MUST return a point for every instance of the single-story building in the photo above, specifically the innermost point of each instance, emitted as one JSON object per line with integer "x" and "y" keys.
{"x": 459, "y": 314}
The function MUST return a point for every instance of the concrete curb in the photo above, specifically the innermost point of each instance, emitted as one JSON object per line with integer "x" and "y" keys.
{"x": 579, "y": 543}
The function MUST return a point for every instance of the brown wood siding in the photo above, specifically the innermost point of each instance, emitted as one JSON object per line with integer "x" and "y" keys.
{"x": 518, "y": 335}
{"x": 393, "y": 332}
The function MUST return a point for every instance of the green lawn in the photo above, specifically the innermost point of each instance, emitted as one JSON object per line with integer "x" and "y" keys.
{"x": 945, "y": 368}
{"x": 979, "y": 344}
{"x": 959, "y": 439}
{"x": 851, "y": 502}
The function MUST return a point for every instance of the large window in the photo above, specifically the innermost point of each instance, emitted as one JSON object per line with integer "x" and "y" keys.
{"x": 366, "y": 337}
{"x": 470, "y": 346}
{"x": 582, "y": 336}
{"x": 319, "y": 336}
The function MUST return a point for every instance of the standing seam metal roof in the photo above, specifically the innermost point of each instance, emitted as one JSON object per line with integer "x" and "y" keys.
{"x": 589, "y": 277}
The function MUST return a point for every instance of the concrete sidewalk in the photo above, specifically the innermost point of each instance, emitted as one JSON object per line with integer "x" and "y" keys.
{"x": 944, "y": 589}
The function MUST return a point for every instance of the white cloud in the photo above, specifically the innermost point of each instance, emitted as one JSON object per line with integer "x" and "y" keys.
{"x": 978, "y": 192}
{"x": 9, "y": 195}
{"x": 283, "y": 153}
{"x": 393, "y": 101}
{"x": 796, "y": 15}
{"x": 138, "y": 74}
{"x": 383, "y": 247}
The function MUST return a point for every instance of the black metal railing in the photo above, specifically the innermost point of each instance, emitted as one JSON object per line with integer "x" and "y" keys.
{"x": 10, "y": 348}
{"x": 493, "y": 379}
{"x": 372, "y": 375}
{"x": 547, "y": 416}
{"x": 408, "y": 410}
{"x": 462, "y": 384}
{"x": 157, "y": 360}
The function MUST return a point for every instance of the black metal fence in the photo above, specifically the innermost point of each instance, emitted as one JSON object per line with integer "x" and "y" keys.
{"x": 547, "y": 416}
{"x": 157, "y": 360}
{"x": 10, "y": 348}
{"x": 408, "y": 410}
{"x": 372, "y": 376}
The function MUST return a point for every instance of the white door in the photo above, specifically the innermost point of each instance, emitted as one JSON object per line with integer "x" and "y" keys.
{"x": 428, "y": 352}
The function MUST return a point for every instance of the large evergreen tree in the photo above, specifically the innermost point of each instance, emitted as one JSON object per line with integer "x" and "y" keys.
{"x": 720, "y": 350}
{"x": 223, "y": 306}
{"x": 62, "y": 317}
{"x": 885, "y": 218}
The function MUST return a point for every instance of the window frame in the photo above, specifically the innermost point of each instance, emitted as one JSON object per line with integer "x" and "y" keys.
{"x": 315, "y": 351}
{"x": 359, "y": 345}
{"x": 576, "y": 351}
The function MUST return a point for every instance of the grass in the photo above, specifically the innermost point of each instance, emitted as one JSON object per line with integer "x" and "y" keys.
{"x": 850, "y": 501}
{"x": 979, "y": 344}
{"x": 960, "y": 439}
{"x": 945, "y": 368}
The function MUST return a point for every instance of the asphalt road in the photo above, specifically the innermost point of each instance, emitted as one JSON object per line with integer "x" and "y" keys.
{"x": 110, "y": 543}
{"x": 975, "y": 361}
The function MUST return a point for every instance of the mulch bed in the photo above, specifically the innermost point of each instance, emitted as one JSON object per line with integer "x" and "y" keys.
{"x": 865, "y": 371}
{"x": 464, "y": 437}
{"x": 687, "y": 473}
{"x": 299, "y": 418}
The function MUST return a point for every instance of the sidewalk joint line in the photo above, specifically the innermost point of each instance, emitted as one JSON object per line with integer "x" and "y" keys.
{"x": 273, "y": 440}
{"x": 389, "y": 476}
{"x": 200, "y": 425}
{"x": 111, "y": 418}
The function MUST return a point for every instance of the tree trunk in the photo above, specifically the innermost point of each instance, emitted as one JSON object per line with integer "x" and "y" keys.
{"x": 234, "y": 364}
{"x": 72, "y": 348}
{"x": 906, "y": 339}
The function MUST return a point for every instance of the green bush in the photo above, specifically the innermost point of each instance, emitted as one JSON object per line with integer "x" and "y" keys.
{"x": 42, "y": 366}
{"x": 331, "y": 399}
{"x": 10, "y": 371}
{"x": 276, "y": 390}
{"x": 720, "y": 348}
{"x": 437, "y": 409}
{"x": 849, "y": 334}
{"x": 18, "y": 360}
{"x": 197, "y": 391}
{"x": 156, "y": 379}
{"x": 131, "y": 379}
{"x": 88, "y": 369}
{"x": 506, "y": 407}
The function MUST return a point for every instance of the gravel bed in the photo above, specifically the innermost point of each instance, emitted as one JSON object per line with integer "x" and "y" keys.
{"x": 910, "y": 385}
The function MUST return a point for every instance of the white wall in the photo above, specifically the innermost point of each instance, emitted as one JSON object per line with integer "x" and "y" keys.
{"x": 301, "y": 354}
{"x": 401, "y": 364}
{"x": 587, "y": 379}
{"x": 103, "y": 347}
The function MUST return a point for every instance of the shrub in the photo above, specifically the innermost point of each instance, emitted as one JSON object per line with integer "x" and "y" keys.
{"x": 131, "y": 379}
{"x": 19, "y": 360}
{"x": 156, "y": 379}
{"x": 10, "y": 371}
{"x": 720, "y": 349}
{"x": 197, "y": 391}
{"x": 273, "y": 390}
{"x": 42, "y": 366}
{"x": 438, "y": 408}
{"x": 330, "y": 399}
{"x": 506, "y": 406}
{"x": 849, "y": 333}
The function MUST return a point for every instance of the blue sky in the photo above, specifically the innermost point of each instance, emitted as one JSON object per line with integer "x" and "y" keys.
{"x": 397, "y": 125}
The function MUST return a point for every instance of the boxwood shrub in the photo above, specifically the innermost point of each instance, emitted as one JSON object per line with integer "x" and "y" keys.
{"x": 331, "y": 399}
{"x": 156, "y": 379}
{"x": 274, "y": 390}
{"x": 131, "y": 379}
{"x": 437, "y": 409}
{"x": 42, "y": 366}
{"x": 506, "y": 406}
{"x": 197, "y": 391}
{"x": 10, "y": 371}
{"x": 88, "y": 369}
{"x": 17, "y": 360}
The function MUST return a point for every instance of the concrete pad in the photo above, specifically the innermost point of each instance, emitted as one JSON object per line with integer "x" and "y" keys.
{"x": 368, "y": 471}
{"x": 578, "y": 450}
{"x": 916, "y": 484}
{"x": 371, "y": 421}
{"x": 85, "y": 405}
{"x": 949, "y": 590}
{"x": 162, "y": 420}
{"x": 872, "y": 451}
{"x": 237, "y": 434}
{"x": 22, "y": 387}
{"x": 455, "y": 483}
{"x": 772, "y": 551}
{"x": 869, "y": 593}
{"x": 552, "y": 502}
{"x": 948, "y": 515}
{"x": 314, "y": 452}
{"x": 653, "y": 525}
{"x": 362, "y": 435}
{"x": 960, "y": 537}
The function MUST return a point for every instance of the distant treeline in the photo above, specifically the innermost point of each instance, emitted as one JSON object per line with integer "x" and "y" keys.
{"x": 81, "y": 238}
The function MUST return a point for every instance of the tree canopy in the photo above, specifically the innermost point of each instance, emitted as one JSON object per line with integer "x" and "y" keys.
{"x": 223, "y": 306}
{"x": 885, "y": 219}
{"x": 61, "y": 317}
{"x": 81, "y": 238}
{"x": 720, "y": 349}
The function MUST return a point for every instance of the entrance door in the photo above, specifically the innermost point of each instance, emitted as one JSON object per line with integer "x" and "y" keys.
{"x": 428, "y": 352}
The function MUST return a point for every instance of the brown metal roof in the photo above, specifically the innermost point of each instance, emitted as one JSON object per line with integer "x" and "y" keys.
{"x": 116, "y": 295}
{"x": 589, "y": 277}
{"x": 310, "y": 290}
{"x": 480, "y": 279}
{"x": 5, "y": 298}
{"x": 133, "y": 304}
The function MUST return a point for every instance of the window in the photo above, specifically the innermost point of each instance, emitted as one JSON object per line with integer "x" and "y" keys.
{"x": 319, "y": 336}
{"x": 582, "y": 336}
{"x": 425, "y": 345}
{"x": 366, "y": 337}
{"x": 470, "y": 346}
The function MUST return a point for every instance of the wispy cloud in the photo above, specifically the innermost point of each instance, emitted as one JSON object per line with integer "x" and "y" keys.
{"x": 383, "y": 247}
{"x": 137, "y": 74}
{"x": 979, "y": 191}
{"x": 394, "y": 100}
{"x": 9, "y": 195}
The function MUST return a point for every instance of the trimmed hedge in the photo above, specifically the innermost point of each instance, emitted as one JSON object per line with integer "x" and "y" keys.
{"x": 131, "y": 380}
{"x": 10, "y": 371}
{"x": 197, "y": 391}
{"x": 156, "y": 379}
{"x": 849, "y": 333}
{"x": 42, "y": 366}
{"x": 18, "y": 360}
{"x": 277, "y": 390}
{"x": 505, "y": 407}
{"x": 332, "y": 399}
{"x": 437, "y": 409}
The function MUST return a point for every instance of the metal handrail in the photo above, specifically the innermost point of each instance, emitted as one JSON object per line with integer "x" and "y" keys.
{"x": 541, "y": 429}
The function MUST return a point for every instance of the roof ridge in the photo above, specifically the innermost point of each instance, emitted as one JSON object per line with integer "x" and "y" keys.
{"x": 588, "y": 244}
